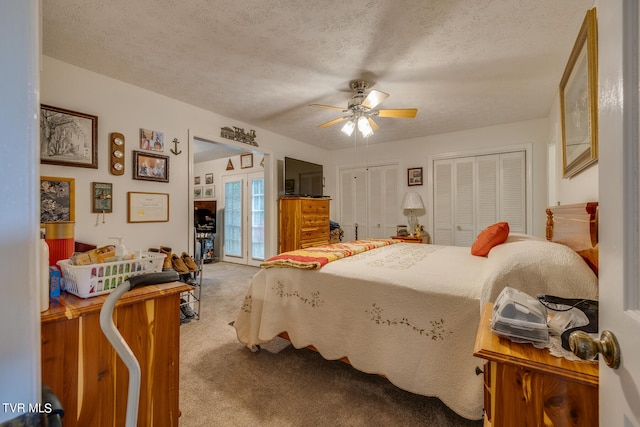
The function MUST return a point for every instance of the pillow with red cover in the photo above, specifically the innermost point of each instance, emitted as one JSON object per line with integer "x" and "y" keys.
{"x": 491, "y": 236}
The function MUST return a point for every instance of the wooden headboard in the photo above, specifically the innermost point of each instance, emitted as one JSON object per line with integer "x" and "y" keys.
{"x": 576, "y": 226}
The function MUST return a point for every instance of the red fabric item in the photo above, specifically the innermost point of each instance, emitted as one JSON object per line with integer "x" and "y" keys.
{"x": 489, "y": 237}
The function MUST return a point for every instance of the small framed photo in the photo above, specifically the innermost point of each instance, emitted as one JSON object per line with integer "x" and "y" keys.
{"x": 246, "y": 161}
{"x": 196, "y": 180}
{"x": 414, "y": 176}
{"x": 102, "y": 196}
{"x": 208, "y": 178}
{"x": 209, "y": 191}
{"x": 151, "y": 140}
{"x": 57, "y": 199}
{"x": 197, "y": 192}
{"x": 68, "y": 138}
{"x": 150, "y": 167}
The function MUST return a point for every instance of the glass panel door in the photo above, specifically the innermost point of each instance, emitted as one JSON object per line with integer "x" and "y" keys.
{"x": 233, "y": 218}
{"x": 256, "y": 186}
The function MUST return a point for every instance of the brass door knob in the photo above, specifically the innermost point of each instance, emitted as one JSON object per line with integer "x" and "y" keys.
{"x": 585, "y": 347}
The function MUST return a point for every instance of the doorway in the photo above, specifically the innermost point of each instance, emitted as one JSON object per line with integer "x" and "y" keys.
{"x": 243, "y": 222}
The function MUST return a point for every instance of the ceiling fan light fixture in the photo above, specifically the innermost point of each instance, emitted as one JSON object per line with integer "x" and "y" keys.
{"x": 348, "y": 127}
{"x": 364, "y": 127}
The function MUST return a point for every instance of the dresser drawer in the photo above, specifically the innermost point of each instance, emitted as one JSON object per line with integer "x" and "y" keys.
{"x": 314, "y": 234}
{"x": 314, "y": 221}
{"x": 315, "y": 207}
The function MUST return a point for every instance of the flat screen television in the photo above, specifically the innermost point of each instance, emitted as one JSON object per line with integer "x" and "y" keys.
{"x": 302, "y": 178}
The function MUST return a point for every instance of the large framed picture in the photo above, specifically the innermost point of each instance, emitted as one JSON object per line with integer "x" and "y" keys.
{"x": 102, "y": 196}
{"x": 57, "y": 199}
{"x": 150, "y": 166}
{"x": 147, "y": 207}
{"x": 579, "y": 101}
{"x": 68, "y": 138}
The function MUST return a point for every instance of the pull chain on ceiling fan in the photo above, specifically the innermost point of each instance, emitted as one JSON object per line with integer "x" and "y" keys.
{"x": 361, "y": 107}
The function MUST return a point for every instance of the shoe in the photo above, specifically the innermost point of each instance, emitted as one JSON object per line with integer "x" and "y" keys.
{"x": 186, "y": 309}
{"x": 168, "y": 265}
{"x": 178, "y": 264}
{"x": 189, "y": 262}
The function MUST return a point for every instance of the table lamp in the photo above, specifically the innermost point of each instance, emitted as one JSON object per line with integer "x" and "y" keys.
{"x": 412, "y": 201}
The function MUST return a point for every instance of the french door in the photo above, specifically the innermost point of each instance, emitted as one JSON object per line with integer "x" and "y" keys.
{"x": 243, "y": 219}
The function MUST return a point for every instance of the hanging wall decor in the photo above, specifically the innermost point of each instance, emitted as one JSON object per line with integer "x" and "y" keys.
{"x": 230, "y": 165}
{"x": 150, "y": 167}
{"x": 68, "y": 138}
{"x": 102, "y": 196}
{"x": 57, "y": 199}
{"x": 238, "y": 134}
{"x": 579, "y": 101}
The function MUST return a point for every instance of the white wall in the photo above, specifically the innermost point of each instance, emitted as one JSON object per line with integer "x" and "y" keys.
{"x": 19, "y": 222}
{"x": 417, "y": 152}
{"x": 124, "y": 108}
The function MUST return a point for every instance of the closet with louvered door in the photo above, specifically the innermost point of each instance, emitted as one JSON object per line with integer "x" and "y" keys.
{"x": 369, "y": 205}
{"x": 473, "y": 192}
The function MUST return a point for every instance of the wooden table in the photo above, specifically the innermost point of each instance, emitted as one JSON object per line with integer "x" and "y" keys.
{"x": 526, "y": 386}
{"x": 83, "y": 370}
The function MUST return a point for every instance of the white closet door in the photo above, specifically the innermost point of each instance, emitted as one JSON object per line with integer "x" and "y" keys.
{"x": 464, "y": 212}
{"x": 353, "y": 205}
{"x": 471, "y": 193}
{"x": 513, "y": 200}
{"x": 488, "y": 194}
{"x": 369, "y": 205}
{"x": 383, "y": 202}
{"x": 443, "y": 202}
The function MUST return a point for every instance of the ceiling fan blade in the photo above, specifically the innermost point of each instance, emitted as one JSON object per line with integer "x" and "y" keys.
{"x": 333, "y": 122}
{"x": 404, "y": 113}
{"x": 374, "y": 97}
{"x": 327, "y": 106}
{"x": 373, "y": 124}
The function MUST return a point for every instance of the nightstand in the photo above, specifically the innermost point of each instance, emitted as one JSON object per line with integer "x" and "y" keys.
{"x": 528, "y": 386}
{"x": 408, "y": 239}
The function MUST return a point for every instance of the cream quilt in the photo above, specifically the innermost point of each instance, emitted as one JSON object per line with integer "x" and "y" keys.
{"x": 406, "y": 311}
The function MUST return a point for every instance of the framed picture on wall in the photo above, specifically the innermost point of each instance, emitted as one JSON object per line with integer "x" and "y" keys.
{"x": 208, "y": 178}
{"x": 196, "y": 180}
{"x": 102, "y": 196}
{"x": 57, "y": 199}
{"x": 246, "y": 161}
{"x": 579, "y": 101}
{"x": 414, "y": 176}
{"x": 150, "y": 167}
{"x": 68, "y": 138}
{"x": 209, "y": 191}
{"x": 197, "y": 192}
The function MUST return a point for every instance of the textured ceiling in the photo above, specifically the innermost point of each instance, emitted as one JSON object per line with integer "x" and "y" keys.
{"x": 464, "y": 64}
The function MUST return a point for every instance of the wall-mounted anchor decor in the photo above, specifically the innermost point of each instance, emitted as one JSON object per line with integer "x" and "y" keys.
{"x": 238, "y": 134}
{"x": 174, "y": 150}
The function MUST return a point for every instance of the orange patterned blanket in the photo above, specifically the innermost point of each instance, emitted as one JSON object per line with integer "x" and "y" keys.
{"x": 315, "y": 257}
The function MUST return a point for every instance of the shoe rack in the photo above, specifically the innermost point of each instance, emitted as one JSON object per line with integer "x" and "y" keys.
{"x": 190, "y": 300}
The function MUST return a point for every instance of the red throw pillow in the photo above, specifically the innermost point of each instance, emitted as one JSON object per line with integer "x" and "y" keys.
{"x": 491, "y": 236}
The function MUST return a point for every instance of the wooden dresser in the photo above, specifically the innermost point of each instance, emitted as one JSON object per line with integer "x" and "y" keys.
{"x": 304, "y": 222}
{"x": 526, "y": 386}
{"x": 85, "y": 373}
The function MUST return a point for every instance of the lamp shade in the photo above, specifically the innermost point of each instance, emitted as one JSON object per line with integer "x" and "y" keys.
{"x": 412, "y": 200}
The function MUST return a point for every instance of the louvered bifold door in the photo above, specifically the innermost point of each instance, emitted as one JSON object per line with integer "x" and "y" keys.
{"x": 487, "y": 192}
{"x": 464, "y": 209}
{"x": 513, "y": 191}
{"x": 443, "y": 202}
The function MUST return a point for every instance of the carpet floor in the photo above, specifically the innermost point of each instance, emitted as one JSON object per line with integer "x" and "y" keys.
{"x": 222, "y": 383}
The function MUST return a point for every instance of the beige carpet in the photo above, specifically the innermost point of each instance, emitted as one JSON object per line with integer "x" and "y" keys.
{"x": 222, "y": 383}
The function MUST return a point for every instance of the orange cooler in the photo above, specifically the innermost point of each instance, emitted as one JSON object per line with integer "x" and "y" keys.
{"x": 60, "y": 238}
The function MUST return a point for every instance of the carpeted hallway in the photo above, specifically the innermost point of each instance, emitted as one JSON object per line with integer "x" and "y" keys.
{"x": 222, "y": 383}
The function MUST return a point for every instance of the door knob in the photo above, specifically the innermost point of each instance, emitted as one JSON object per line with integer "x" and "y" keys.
{"x": 585, "y": 347}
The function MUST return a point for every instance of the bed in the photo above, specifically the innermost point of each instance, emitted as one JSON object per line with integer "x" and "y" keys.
{"x": 410, "y": 312}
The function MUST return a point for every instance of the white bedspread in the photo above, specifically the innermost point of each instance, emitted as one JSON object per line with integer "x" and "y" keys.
{"x": 408, "y": 312}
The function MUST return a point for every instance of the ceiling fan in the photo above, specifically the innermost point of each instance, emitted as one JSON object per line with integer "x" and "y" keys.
{"x": 361, "y": 107}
